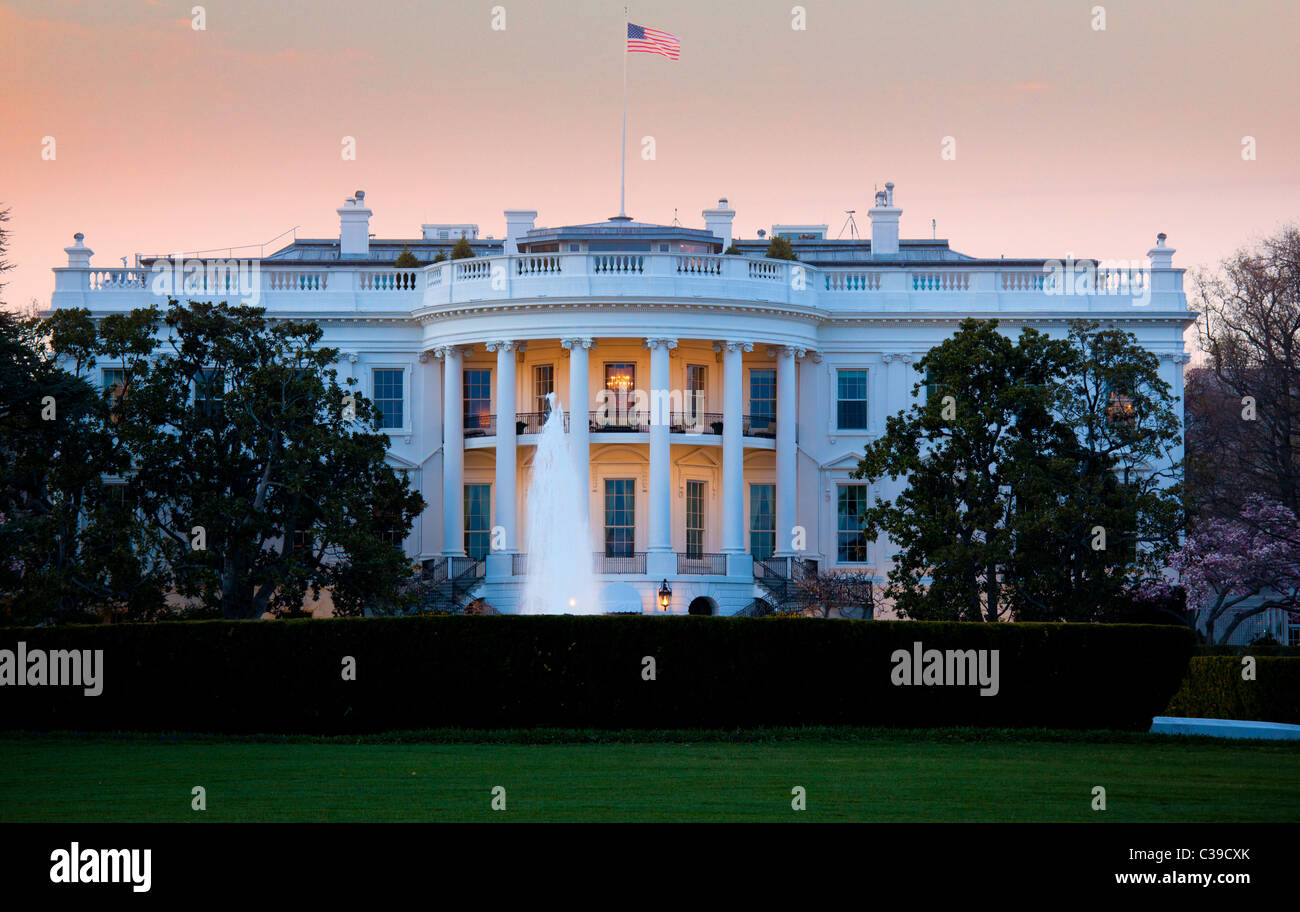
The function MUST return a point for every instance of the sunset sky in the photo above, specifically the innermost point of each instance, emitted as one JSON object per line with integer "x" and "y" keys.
{"x": 1068, "y": 140}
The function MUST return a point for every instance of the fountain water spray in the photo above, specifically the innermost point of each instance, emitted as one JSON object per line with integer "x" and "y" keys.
{"x": 560, "y": 578}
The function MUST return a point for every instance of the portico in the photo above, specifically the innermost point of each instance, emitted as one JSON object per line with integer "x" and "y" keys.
{"x": 661, "y": 432}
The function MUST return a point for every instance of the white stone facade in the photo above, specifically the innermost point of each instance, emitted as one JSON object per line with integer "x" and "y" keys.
{"x": 797, "y": 365}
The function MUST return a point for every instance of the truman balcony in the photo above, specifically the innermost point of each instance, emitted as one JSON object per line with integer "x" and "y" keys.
{"x": 702, "y": 429}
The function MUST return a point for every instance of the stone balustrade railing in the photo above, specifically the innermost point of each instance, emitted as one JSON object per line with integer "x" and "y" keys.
{"x": 973, "y": 286}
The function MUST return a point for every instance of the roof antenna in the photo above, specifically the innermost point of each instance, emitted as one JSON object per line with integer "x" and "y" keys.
{"x": 932, "y": 229}
{"x": 676, "y": 224}
{"x": 851, "y": 225}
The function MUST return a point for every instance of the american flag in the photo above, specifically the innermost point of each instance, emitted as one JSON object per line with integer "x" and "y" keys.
{"x": 642, "y": 40}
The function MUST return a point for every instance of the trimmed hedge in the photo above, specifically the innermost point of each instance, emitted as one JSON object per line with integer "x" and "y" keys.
{"x": 576, "y": 672}
{"x": 1242, "y": 650}
{"x": 1213, "y": 689}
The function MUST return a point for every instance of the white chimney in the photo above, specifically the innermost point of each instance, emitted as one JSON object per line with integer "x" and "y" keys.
{"x": 718, "y": 221}
{"x": 884, "y": 223}
{"x": 1162, "y": 257}
{"x": 518, "y": 223}
{"x": 354, "y": 226}
{"x": 78, "y": 254}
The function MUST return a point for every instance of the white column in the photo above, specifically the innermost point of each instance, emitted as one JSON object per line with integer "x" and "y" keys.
{"x": 506, "y": 453}
{"x": 579, "y": 405}
{"x": 787, "y": 399}
{"x": 453, "y": 453}
{"x": 427, "y": 405}
{"x": 733, "y": 452}
{"x": 898, "y": 393}
{"x": 661, "y": 483}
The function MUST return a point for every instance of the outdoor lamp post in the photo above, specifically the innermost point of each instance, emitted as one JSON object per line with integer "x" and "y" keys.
{"x": 665, "y": 595}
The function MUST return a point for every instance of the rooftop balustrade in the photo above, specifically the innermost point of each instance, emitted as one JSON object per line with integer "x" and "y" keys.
{"x": 975, "y": 286}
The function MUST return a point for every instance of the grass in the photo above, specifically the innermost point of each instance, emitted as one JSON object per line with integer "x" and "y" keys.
{"x": 849, "y": 775}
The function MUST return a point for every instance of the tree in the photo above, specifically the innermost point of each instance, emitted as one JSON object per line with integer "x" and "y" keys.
{"x": 5, "y": 265}
{"x": 733, "y": 250}
{"x": 1102, "y": 511}
{"x": 406, "y": 260}
{"x": 1218, "y": 440}
{"x": 1040, "y": 478}
{"x": 963, "y": 451}
{"x": 70, "y": 547}
{"x": 461, "y": 249}
{"x": 260, "y": 475}
{"x": 440, "y": 257}
{"x": 1251, "y": 334}
{"x": 780, "y": 248}
{"x": 1224, "y": 564}
{"x": 851, "y": 594}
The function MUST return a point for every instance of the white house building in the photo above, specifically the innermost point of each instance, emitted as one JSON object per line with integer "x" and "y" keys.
{"x": 778, "y": 374}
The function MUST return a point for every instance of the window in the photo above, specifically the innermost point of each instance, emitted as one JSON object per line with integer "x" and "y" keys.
{"x": 620, "y": 517}
{"x": 114, "y": 380}
{"x": 302, "y": 540}
{"x": 115, "y": 387}
{"x": 931, "y": 386}
{"x": 1293, "y": 634}
{"x": 1119, "y": 408}
{"x": 115, "y": 494}
{"x": 695, "y": 519}
{"x": 620, "y": 379}
{"x": 388, "y": 396}
{"x": 762, "y": 399}
{"x": 851, "y": 400}
{"x": 478, "y": 527}
{"x": 543, "y": 385}
{"x": 208, "y": 388}
{"x": 762, "y": 521}
{"x": 478, "y": 397}
{"x": 696, "y": 379}
{"x": 390, "y": 528}
{"x": 851, "y": 541}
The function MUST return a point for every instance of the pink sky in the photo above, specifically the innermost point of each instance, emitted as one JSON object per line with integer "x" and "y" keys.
{"x": 1068, "y": 140}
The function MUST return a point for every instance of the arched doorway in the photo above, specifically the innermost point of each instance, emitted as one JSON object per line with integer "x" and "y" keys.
{"x": 703, "y": 605}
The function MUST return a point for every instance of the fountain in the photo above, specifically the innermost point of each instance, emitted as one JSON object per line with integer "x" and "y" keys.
{"x": 560, "y": 578}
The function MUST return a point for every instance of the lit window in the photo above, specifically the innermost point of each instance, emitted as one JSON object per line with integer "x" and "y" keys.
{"x": 543, "y": 386}
{"x": 696, "y": 378}
{"x": 1119, "y": 408}
{"x": 478, "y": 398}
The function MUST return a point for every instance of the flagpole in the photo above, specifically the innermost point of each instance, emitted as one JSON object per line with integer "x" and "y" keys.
{"x": 622, "y": 189}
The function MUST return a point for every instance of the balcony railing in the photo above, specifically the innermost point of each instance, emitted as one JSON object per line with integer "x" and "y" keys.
{"x": 615, "y": 564}
{"x": 702, "y": 564}
{"x": 636, "y": 421}
{"x": 533, "y": 422}
{"x": 480, "y": 425}
{"x": 985, "y": 286}
{"x": 519, "y": 564}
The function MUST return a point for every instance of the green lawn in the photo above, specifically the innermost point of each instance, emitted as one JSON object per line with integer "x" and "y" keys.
{"x": 885, "y": 777}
